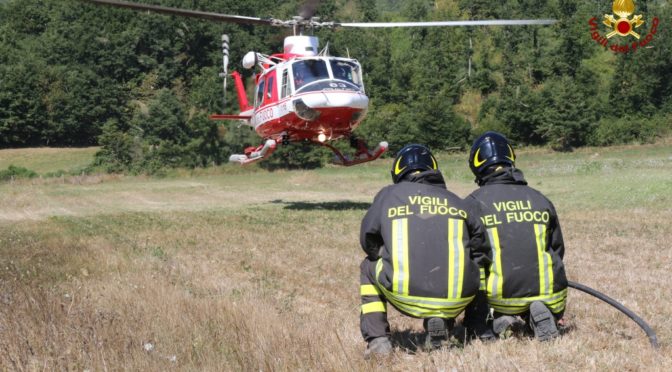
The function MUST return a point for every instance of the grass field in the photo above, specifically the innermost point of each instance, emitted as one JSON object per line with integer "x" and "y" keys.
{"x": 46, "y": 160}
{"x": 229, "y": 269}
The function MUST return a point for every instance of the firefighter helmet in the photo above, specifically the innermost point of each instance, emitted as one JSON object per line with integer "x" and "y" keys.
{"x": 489, "y": 149}
{"x": 412, "y": 158}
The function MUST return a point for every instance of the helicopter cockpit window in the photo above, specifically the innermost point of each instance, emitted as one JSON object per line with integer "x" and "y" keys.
{"x": 260, "y": 93}
{"x": 347, "y": 71}
{"x": 269, "y": 93}
{"x": 307, "y": 71}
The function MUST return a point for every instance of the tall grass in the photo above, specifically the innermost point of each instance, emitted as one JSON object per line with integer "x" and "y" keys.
{"x": 259, "y": 271}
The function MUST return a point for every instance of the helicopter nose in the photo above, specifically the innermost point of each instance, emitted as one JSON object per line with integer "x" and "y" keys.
{"x": 335, "y": 99}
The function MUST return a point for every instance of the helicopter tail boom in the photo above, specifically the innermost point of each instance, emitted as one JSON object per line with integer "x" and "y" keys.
{"x": 229, "y": 117}
{"x": 240, "y": 90}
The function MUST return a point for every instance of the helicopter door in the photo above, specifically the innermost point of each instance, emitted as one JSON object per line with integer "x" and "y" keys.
{"x": 284, "y": 90}
{"x": 268, "y": 93}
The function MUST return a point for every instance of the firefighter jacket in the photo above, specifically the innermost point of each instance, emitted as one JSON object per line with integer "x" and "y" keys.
{"x": 524, "y": 241}
{"x": 420, "y": 234}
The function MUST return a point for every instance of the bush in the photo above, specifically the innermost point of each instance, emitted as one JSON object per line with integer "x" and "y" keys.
{"x": 13, "y": 172}
{"x": 628, "y": 129}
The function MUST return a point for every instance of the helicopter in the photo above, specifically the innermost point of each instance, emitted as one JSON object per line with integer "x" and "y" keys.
{"x": 303, "y": 94}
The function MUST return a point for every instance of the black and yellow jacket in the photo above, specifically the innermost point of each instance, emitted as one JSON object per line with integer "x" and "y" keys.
{"x": 524, "y": 241}
{"x": 420, "y": 234}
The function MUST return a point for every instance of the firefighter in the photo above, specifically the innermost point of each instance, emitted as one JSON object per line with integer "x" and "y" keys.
{"x": 417, "y": 237}
{"x": 526, "y": 281}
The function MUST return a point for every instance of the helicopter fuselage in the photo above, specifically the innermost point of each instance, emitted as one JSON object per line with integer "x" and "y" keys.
{"x": 309, "y": 98}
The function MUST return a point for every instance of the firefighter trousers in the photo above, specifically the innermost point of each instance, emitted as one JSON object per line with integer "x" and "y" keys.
{"x": 373, "y": 316}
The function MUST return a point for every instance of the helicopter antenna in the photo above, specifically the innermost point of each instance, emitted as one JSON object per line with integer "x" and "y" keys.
{"x": 225, "y": 63}
{"x": 325, "y": 50}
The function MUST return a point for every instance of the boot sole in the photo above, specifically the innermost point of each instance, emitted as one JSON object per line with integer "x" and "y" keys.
{"x": 502, "y": 325}
{"x": 436, "y": 327}
{"x": 543, "y": 322}
{"x": 437, "y": 331}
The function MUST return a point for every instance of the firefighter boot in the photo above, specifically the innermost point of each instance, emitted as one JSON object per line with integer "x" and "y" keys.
{"x": 378, "y": 346}
{"x": 542, "y": 322}
{"x": 504, "y": 326}
{"x": 437, "y": 332}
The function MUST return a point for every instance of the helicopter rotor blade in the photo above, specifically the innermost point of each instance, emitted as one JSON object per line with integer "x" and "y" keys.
{"x": 187, "y": 13}
{"x": 487, "y": 22}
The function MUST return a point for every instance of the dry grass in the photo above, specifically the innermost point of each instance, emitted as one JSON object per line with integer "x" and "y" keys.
{"x": 260, "y": 271}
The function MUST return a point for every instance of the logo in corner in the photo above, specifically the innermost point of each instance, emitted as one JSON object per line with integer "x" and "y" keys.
{"x": 623, "y": 25}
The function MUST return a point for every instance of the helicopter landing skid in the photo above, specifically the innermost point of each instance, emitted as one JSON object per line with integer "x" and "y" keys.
{"x": 362, "y": 155}
{"x": 254, "y": 154}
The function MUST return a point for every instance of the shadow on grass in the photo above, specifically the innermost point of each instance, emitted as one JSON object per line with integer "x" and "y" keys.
{"x": 326, "y": 206}
{"x": 409, "y": 341}
{"x": 413, "y": 341}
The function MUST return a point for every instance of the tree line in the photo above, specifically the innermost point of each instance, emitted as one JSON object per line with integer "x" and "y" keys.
{"x": 142, "y": 85}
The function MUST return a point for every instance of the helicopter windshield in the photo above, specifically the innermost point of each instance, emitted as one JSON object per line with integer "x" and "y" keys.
{"x": 347, "y": 71}
{"x": 316, "y": 75}
{"x": 307, "y": 71}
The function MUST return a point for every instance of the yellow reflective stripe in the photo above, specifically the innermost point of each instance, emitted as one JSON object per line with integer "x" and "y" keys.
{"x": 455, "y": 257}
{"x": 373, "y": 307}
{"x": 422, "y": 307}
{"x": 462, "y": 257}
{"x": 425, "y": 302}
{"x": 545, "y": 261}
{"x": 539, "y": 234}
{"x": 525, "y": 300}
{"x": 451, "y": 258}
{"x": 427, "y": 307}
{"x": 368, "y": 290}
{"x": 549, "y": 267}
{"x": 394, "y": 253}
{"x": 514, "y": 310}
{"x": 481, "y": 284}
{"x": 555, "y": 302}
{"x": 407, "y": 274}
{"x": 400, "y": 275}
{"x": 496, "y": 278}
{"x": 423, "y": 312}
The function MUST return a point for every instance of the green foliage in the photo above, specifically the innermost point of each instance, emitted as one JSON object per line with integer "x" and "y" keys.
{"x": 119, "y": 149}
{"x": 13, "y": 172}
{"x": 630, "y": 128}
{"x": 569, "y": 121}
{"x": 141, "y": 85}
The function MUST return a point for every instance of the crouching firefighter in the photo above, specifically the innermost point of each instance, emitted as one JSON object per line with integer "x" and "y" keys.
{"x": 417, "y": 237}
{"x": 526, "y": 281}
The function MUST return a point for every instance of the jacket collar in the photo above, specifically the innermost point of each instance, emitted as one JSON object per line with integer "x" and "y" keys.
{"x": 430, "y": 177}
{"x": 506, "y": 175}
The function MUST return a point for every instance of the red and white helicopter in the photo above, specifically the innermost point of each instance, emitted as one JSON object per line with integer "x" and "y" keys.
{"x": 303, "y": 94}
